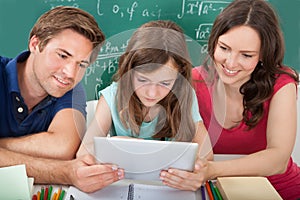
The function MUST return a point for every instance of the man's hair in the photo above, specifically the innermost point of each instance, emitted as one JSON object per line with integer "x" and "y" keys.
{"x": 61, "y": 18}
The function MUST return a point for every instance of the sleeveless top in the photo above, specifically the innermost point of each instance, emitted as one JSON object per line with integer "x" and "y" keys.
{"x": 239, "y": 140}
{"x": 147, "y": 129}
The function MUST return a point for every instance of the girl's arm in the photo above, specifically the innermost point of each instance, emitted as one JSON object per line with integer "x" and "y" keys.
{"x": 99, "y": 126}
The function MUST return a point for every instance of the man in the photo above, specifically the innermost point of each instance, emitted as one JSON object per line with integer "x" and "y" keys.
{"x": 42, "y": 102}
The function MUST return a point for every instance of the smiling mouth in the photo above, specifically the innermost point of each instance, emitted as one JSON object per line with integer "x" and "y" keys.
{"x": 61, "y": 81}
{"x": 231, "y": 72}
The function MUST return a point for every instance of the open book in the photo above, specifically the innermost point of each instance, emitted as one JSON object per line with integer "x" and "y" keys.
{"x": 246, "y": 188}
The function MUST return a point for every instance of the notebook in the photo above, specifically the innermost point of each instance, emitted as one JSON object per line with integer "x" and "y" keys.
{"x": 131, "y": 190}
{"x": 14, "y": 183}
{"x": 246, "y": 188}
{"x": 144, "y": 159}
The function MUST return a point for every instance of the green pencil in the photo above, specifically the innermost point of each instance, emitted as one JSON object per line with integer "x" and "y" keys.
{"x": 62, "y": 194}
{"x": 49, "y": 192}
{"x": 218, "y": 193}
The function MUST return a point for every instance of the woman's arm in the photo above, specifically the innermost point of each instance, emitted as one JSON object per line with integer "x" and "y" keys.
{"x": 281, "y": 134}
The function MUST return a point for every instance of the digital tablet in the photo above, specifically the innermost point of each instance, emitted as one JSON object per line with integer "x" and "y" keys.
{"x": 144, "y": 159}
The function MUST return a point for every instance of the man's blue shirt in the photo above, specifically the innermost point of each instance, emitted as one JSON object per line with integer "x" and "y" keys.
{"x": 14, "y": 118}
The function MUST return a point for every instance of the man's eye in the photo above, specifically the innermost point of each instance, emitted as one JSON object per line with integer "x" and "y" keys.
{"x": 83, "y": 65}
{"x": 63, "y": 56}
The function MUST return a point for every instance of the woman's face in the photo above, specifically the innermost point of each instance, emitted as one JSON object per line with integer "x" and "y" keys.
{"x": 236, "y": 55}
{"x": 151, "y": 87}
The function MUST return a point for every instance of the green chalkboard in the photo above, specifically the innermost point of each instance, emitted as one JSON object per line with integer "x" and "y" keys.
{"x": 119, "y": 18}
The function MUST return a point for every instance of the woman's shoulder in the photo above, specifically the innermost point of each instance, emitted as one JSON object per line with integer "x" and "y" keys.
{"x": 199, "y": 73}
{"x": 283, "y": 79}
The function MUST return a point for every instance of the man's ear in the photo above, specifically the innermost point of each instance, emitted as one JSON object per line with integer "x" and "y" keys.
{"x": 33, "y": 44}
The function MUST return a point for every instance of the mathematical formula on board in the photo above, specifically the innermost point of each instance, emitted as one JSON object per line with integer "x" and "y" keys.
{"x": 195, "y": 17}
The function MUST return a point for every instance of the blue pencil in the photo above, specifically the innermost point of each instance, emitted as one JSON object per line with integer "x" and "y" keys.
{"x": 203, "y": 192}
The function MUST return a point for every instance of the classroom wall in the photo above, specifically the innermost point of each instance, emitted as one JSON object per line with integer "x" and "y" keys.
{"x": 119, "y": 18}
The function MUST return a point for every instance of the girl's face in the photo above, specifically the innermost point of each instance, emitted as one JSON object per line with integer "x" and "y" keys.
{"x": 151, "y": 87}
{"x": 236, "y": 55}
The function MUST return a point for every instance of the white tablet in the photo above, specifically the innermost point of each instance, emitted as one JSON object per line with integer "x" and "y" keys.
{"x": 144, "y": 159}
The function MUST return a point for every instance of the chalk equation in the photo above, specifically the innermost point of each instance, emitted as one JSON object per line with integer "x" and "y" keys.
{"x": 134, "y": 9}
{"x": 56, "y": 3}
{"x": 199, "y": 8}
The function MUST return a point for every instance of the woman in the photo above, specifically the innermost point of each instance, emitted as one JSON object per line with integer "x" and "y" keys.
{"x": 247, "y": 97}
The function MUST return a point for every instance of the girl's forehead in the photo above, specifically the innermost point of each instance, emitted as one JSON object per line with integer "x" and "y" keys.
{"x": 161, "y": 73}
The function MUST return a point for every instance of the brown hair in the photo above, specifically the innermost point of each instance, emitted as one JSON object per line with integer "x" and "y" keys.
{"x": 61, "y": 18}
{"x": 153, "y": 44}
{"x": 259, "y": 15}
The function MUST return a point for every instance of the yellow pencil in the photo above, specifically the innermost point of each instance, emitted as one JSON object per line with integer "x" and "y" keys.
{"x": 58, "y": 193}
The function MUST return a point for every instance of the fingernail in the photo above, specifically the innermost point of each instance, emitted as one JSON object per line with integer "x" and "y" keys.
{"x": 114, "y": 168}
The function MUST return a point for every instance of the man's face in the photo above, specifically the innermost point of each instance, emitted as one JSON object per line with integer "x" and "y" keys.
{"x": 61, "y": 64}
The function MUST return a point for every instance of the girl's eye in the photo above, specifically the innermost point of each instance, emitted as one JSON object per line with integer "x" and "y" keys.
{"x": 141, "y": 80}
{"x": 165, "y": 84}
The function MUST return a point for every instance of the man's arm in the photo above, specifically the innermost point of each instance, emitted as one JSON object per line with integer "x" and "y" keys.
{"x": 61, "y": 141}
{"x": 83, "y": 172}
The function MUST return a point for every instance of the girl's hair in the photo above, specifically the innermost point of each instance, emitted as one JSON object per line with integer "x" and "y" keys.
{"x": 63, "y": 17}
{"x": 260, "y": 16}
{"x": 152, "y": 45}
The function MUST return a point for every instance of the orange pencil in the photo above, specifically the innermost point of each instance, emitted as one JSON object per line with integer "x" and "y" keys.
{"x": 211, "y": 197}
{"x": 54, "y": 196}
{"x": 38, "y": 195}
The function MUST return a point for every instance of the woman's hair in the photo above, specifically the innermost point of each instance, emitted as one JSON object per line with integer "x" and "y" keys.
{"x": 151, "y": 46}
{"x": 61, "y": 18}
{"x": 260, "y": 16}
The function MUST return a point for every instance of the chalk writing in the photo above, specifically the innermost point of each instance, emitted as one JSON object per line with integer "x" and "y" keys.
{"x": 134, "y": 9}
{"x": 192, "y": 7}
{"x": 203, "y": 31}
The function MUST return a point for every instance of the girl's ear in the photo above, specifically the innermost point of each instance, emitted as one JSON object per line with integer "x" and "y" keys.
{"x": 33, "y": 44}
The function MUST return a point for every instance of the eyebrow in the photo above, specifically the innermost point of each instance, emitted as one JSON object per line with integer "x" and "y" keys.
{"x": 167, "y": 80}
{"x": 66, "y": 52}
{"x": 243, "y": 51}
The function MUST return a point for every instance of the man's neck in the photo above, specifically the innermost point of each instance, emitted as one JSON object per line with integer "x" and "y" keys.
{"x": 30, "y": 89}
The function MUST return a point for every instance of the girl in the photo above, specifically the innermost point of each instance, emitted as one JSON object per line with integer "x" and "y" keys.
{"x": 151, "y": 96}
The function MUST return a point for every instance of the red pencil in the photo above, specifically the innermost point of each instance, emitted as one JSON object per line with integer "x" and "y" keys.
{"x": 46, "y": 194}
{"x": 211, "y": 197}
{"x": 34, "y": 197}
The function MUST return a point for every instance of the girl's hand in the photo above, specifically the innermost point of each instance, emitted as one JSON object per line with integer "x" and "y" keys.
{"x": 185, "y": 180}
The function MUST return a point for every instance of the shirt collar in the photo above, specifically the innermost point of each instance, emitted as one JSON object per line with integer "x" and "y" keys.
{"x": 12, "y": 71}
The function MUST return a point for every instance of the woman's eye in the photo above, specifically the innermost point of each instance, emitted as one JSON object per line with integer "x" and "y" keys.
{"x": 223, "y": 48}
{"x": 247, "y": 56}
